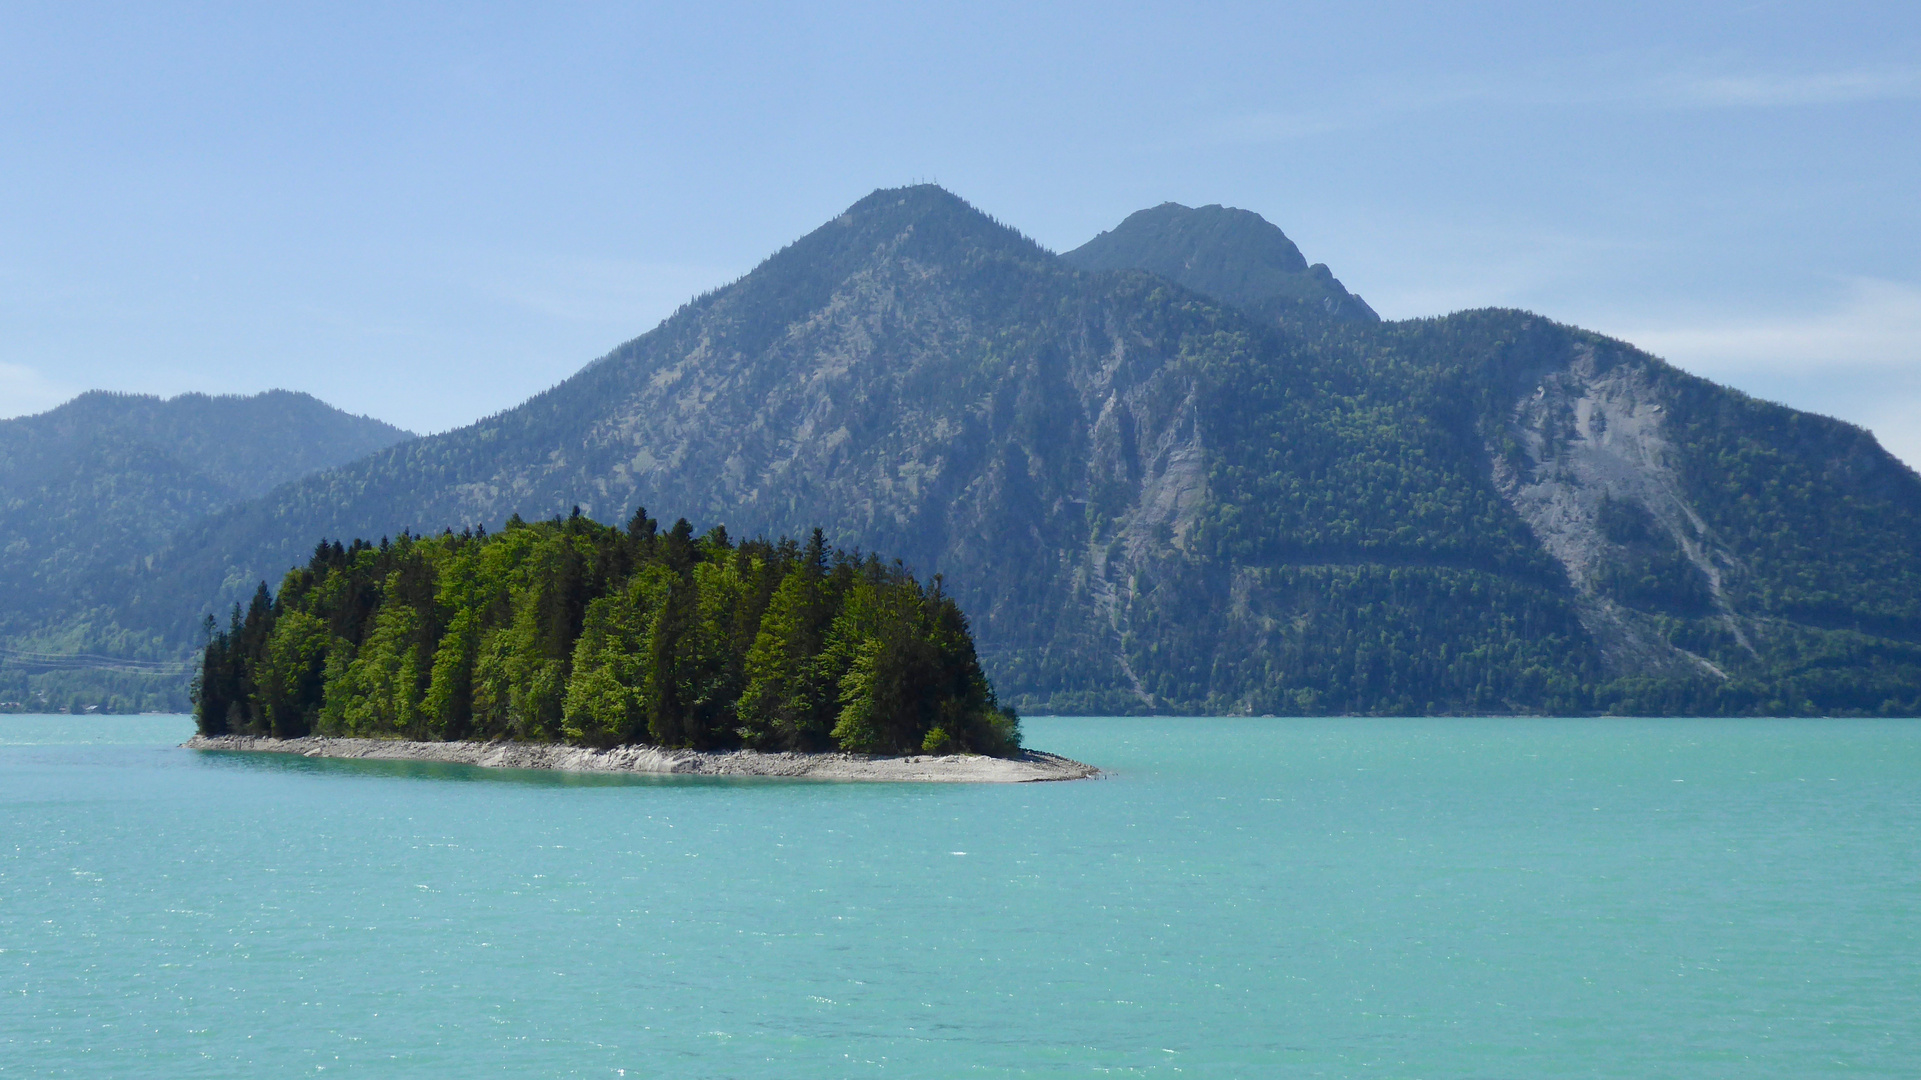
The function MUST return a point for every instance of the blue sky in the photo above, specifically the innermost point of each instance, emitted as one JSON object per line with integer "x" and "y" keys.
{"x": 428, "y": 213}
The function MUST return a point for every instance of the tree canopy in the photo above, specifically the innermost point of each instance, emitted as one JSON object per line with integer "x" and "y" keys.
{"x": 573, "y": 631}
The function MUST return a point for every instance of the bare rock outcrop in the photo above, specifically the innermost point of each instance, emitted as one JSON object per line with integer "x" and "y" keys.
{"x": 1593, "y": 436}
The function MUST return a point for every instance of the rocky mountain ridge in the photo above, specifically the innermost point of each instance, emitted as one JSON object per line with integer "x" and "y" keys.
{"x": 1150, "y": 497}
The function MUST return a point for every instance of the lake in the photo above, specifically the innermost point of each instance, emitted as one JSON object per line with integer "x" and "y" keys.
{"x": 1237, "y": 898}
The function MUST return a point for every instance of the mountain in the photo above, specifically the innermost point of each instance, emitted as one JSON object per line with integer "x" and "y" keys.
{"x": 1235, "y": 256}
{"x": 1723, "y": 554}
{"x": 91, "y": 489}
{"x": 1152, "y": 497}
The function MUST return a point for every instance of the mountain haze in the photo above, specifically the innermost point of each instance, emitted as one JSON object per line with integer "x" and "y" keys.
{"x": 1197, "y": 483}
{"x": 91, "y": 489}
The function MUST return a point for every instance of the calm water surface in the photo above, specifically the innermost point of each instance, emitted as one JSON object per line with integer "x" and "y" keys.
{"x": 1241, "y": 897}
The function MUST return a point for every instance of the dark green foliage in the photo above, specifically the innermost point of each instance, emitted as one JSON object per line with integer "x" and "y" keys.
{"x": 1649, "y": 572}
{"x": 1828, "y": 524}
{"x": 1787, "y": 670}
{"x": 791, "y": 698}
{"x": 1370, "y": 639}
{"x": 92, "y": 691}
{"x": 571, "y": 631}
{"x": 1352, "y": 453}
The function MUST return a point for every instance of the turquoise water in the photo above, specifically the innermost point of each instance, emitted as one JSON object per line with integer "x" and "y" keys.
{"x": 1241, "y": 897}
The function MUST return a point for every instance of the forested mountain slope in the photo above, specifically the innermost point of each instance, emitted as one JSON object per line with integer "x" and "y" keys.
{"x": 90, "y": 490}
{"x": 1150, "y": 499}
{"x": 1724, "y": 554}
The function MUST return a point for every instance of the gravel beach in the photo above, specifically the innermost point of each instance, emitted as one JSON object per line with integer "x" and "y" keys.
{"x": 1031, "y": 765}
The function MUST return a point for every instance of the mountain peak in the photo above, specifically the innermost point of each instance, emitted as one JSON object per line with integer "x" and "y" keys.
{"x": 915, "y": 198}
{"x": 1221, "y": 231}
{"x": 1236, "y": 256}
{"x": 888, "y": 212}
{"x": 922, "y": 224}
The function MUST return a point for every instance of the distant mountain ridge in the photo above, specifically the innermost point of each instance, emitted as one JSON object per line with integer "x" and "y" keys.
{"x": 246, "y": 443}
{"x": 91, "y": 489}
{"x": 1177, "y": 470}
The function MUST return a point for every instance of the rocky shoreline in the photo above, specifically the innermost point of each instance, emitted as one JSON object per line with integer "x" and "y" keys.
{"x": 1031, "y": 765}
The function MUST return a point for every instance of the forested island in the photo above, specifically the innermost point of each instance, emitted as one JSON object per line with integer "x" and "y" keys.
{"x": 573, "y": 632}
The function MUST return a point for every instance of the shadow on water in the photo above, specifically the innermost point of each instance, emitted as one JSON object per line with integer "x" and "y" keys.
{"x": 380, "y": 768}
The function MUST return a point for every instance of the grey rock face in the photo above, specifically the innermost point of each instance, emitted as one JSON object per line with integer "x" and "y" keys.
{"x": 1594, "y": 435}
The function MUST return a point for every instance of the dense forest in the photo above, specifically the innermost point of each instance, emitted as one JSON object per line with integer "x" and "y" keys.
{"x": 573, "y": 631}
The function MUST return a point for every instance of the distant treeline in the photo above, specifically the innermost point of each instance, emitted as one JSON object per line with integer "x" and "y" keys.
{"x": 573, "y": 631}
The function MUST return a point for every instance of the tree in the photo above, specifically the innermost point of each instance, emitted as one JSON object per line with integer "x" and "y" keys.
{"x": 567, "y": 629}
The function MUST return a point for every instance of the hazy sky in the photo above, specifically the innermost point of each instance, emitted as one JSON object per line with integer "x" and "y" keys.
{"x": 427, "y": 214}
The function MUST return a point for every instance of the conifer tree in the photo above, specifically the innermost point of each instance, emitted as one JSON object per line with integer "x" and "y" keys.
{"x": 570, "y": 630}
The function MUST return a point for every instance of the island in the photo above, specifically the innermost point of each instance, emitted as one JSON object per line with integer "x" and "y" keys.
{"x": 569, "y": 644}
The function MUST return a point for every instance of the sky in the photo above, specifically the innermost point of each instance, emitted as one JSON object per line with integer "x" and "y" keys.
{"x": 428, "y": 213}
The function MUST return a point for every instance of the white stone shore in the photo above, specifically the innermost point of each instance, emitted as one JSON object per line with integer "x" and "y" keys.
{"x": 1031, "y": 765}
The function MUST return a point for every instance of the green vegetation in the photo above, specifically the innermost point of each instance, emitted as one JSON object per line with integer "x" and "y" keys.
{"x": 1649, "y": 572}
{"x": 1820, "y": 608}
{"x": 572, "y": 631}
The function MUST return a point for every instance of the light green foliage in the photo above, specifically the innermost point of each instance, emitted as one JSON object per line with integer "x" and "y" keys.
{"x": 607, "y": 698}
{"x": 860, "y": 727}
{"x": 378, "y": 694}
{"x": 574, "y": 631}
{"x": 450, "y": 691}
{"x": 292, "y": 673}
